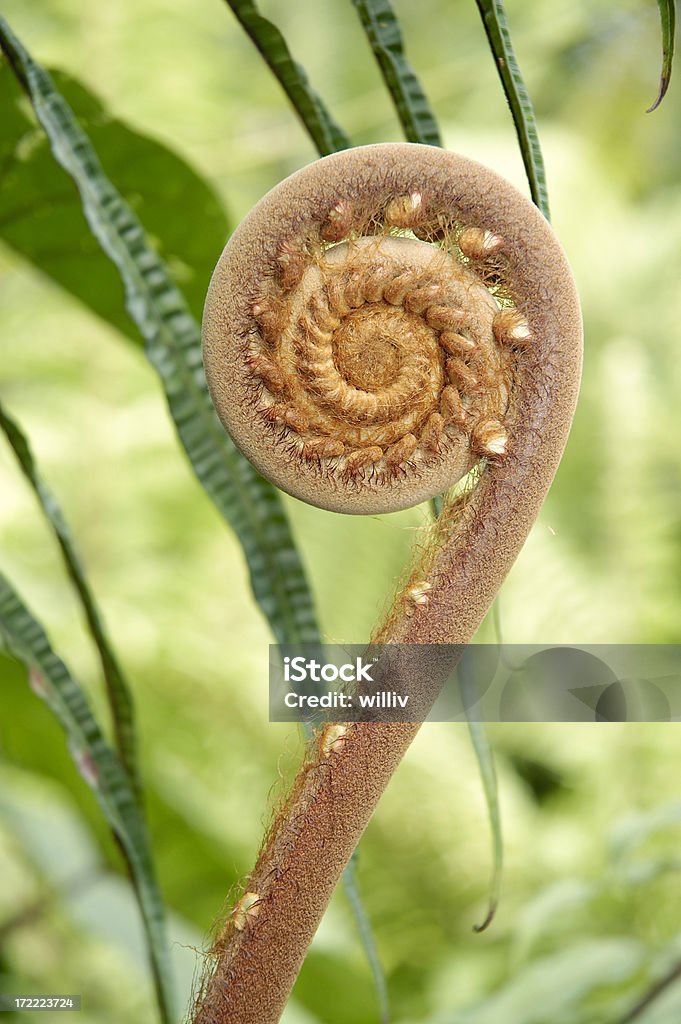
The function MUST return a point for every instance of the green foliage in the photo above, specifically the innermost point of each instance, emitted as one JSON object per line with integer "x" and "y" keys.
{"x": 250, "y": 504}
{"x": 496, "y": 26}
{"x": 485, "y": 759}
{"x": 560, "y": 987}
{"x": 120, "y": 697}
{"x": 385, "y": 37}
{"x": 310, "y": 108}
{"x": 100, "y": 767}
{"x": 152, "y": 180}
{"x": 668, "y": 25}
{"x": 367, "y": 937}
{"x": 603, "y": 564}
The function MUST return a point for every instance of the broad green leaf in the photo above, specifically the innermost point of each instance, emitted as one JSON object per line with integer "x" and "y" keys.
{"x": 40, "y": 750}
{"x": 41, "y": 216}
{"x": 557, "y": 987}
{"x": 385, "y": 37}
{"x": 182, "y": 839}
{"x": 99, "y": 765}
{"x": 118, "y": 691}
{"x": 271, "y": 45}
{"x": 638, "y": 827}
{"x": 668, "y": 24}
{"x": 173, "y": 344}
{"x": 494, "y": 20}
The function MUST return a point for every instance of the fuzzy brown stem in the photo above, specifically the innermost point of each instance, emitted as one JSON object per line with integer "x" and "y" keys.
{"x": 475, "y": 544}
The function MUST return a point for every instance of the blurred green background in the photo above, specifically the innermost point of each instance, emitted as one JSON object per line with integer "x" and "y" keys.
{"x": 591, "y": 913}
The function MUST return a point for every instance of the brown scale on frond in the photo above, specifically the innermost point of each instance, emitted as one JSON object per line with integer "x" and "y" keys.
{"x": 269, "y": 314}
{"x": 511, "y": 328}
{"x": 400, "y": 286}
{"x": 297, "y": 421}
{"x": 375, "y": 281}
{"x": 420, "y": 298}
{"x": 436, "y": 227}
{"x": 478, "y": 243}
{"x": 287, "y": 416}
{"x": 405, "y": 211}
{"x": 461, "y": 375}
{"x": 246, "y": 910}
{"x": 456, "y": 344}
{"x": 401, "y": 451}
{"x": 490, "y": 438}
{"x": 360, "y": 459}
{"x": 269, "y": 373}
{"x": 445, "y": 318}
{"x": 291, "y": 264}
{"x": 431, "y": 435}
{"x": 451, "y": 406}
{"x": 275, "y": 413}
{"x": 323, "y": 448}
{"x": 321, "y": 312}
{"x": 339, "y": 222}
{"x": 354, "y": 291}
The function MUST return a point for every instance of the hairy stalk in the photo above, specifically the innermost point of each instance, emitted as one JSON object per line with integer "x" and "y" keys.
{"x": 471, "y": 547}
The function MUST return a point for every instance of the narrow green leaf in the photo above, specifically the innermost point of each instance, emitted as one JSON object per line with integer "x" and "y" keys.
{"x": 385, "y": 37}
{"x": 99, "y": 765}
{"x": 173, "y": 344}
{"x": 366, "y": 936}
{"x": 667, "y": 23}
{"x": 271, "y": 45}
{"x": 499, "y": 38}
{"x": 485, "y": 759}
{"x": 118, "y": 691}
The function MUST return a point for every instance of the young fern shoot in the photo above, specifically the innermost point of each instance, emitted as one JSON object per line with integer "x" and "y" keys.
{"x": 384, "y": 322}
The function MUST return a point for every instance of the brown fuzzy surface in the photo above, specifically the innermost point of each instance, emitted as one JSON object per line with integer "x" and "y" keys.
{"x": 359, "y": 180}
{"x": 472, "y": 549}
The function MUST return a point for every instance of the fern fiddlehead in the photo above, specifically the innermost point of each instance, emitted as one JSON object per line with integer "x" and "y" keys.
{"x": 383, "y": 322}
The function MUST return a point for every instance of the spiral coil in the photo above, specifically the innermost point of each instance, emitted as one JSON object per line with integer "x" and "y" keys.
{"x": 376, "y": 351}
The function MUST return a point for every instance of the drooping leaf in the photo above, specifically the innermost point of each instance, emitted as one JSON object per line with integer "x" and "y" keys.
{"x": 99, "y": 765}
{"x": 385, "y": 37}
{"x": 41, "y": 216}
{"x": 485, "y": 759}
{"x": 271, "y": 45}
{"x": 118, "y": 691}
{"x": 366, "y": 935}
{"x": 172, "y": 342}
{"x": 668, "y": 25}
{"x": 496, "y": 26}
